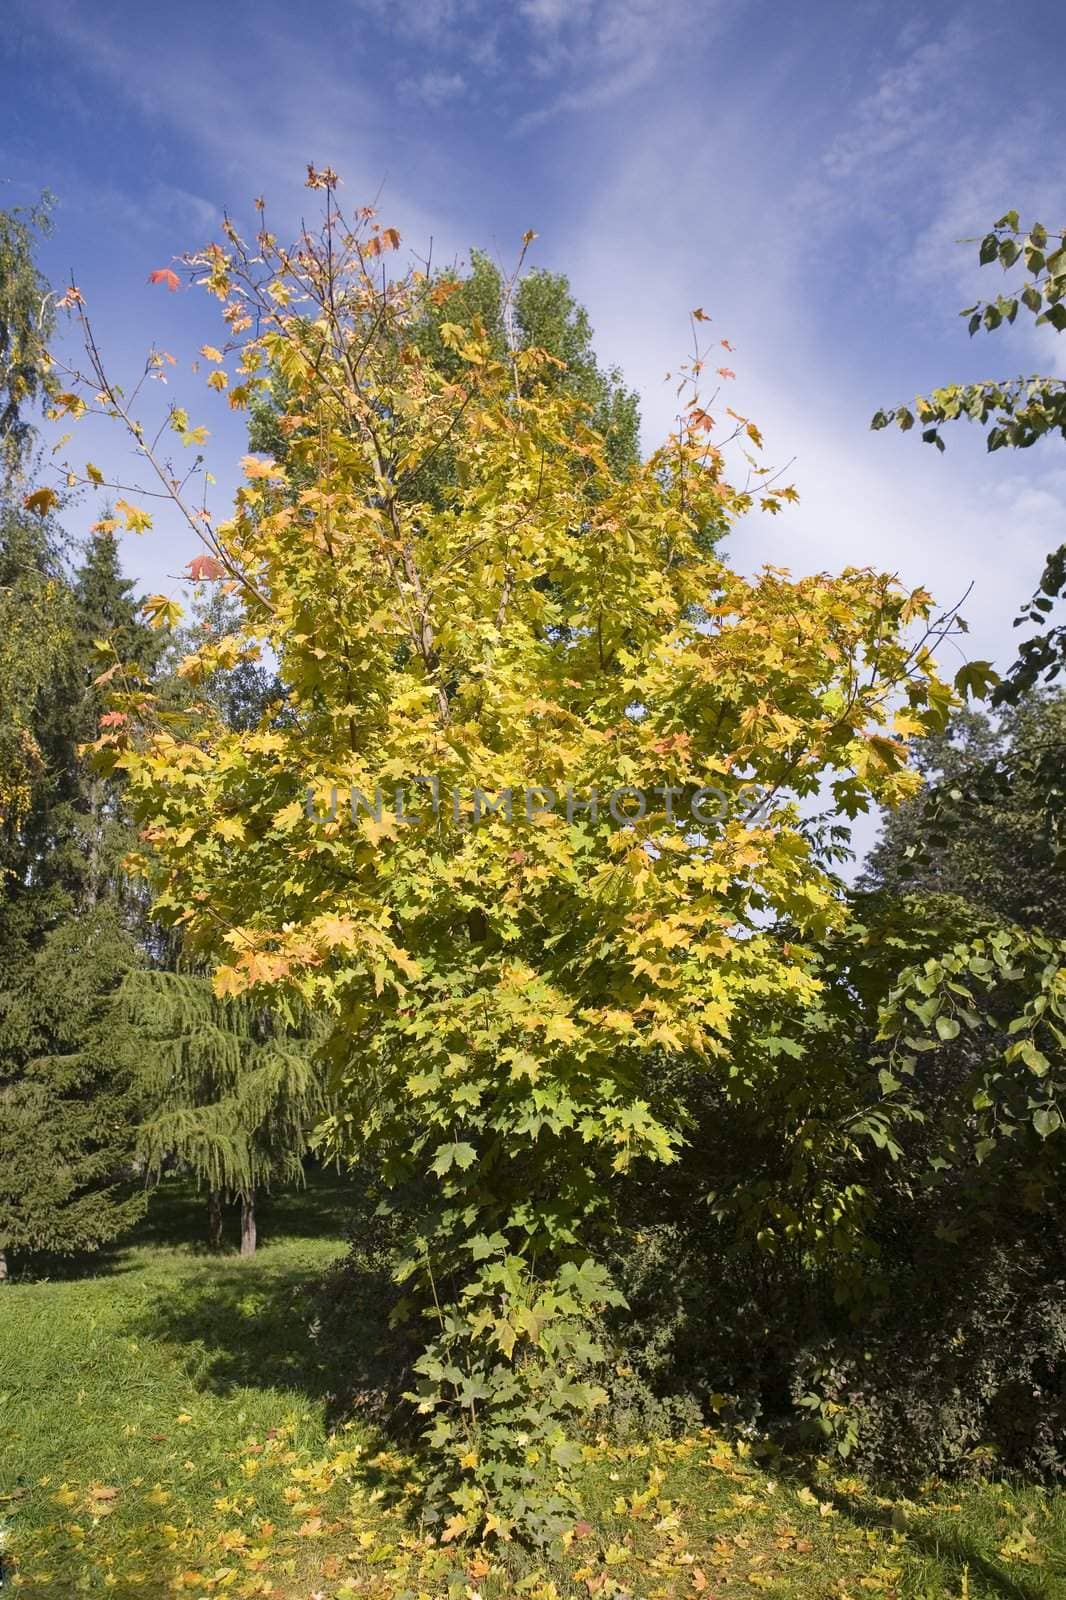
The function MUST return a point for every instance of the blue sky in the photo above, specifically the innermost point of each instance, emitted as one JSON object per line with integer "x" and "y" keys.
{"x": 801, "y": 171}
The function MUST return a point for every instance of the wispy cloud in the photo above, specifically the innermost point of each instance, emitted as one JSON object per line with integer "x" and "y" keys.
{"x": 434, "y": 89}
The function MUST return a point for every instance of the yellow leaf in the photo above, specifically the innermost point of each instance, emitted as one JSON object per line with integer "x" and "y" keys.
{"x": 252, "y": 467}
{"x": 137, "y": 519}
{"x": 42, "y": 501}
{"x": 905, "y": 725}
{"x": 161, "y": 612}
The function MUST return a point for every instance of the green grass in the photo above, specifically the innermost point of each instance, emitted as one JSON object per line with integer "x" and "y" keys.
{"x": 165, "y": 1429}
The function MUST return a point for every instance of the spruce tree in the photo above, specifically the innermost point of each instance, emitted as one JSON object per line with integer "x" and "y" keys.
{"x": 233, "y": 1089}
{"x": 71, "y": 927}
{"x": 67, "y": 1086}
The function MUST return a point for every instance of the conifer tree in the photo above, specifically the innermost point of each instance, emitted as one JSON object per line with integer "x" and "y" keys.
{"x": 67, "y": 1090}
{"x": 68, "y": 932}
{"x": 71, "y": 926}
{"x": 233, "y": 1089}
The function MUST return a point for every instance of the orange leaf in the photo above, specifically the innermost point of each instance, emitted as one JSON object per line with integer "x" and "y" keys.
{"x": 165, "y": 275}
{"x": 204, "y": 567}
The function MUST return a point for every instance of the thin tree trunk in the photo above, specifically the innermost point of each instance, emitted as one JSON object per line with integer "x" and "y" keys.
{"x": 3, "y": 1266}
{"x": 248, "y": 1223}
{"x": 214, "y": 1219}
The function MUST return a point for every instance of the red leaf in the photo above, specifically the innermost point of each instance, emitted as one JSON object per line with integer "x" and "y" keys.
{"x": 204, "y": 567}
{"x": 165, "y": 275}
{"x": 726, "y": 372}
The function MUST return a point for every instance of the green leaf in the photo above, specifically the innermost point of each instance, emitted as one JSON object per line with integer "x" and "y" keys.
{"x": 1047, "y": 1120}
{"x": 989, "y": 249}
{"x": 974, "y": 680}
{"x": 449, "y": 1155}
{"x": 482, "y": 1246}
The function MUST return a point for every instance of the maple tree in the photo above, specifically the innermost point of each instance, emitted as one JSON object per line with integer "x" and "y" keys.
{"x": 503, "y": 964}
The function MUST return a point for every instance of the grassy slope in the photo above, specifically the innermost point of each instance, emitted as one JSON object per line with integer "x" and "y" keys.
{"x": 164, "y": 1430}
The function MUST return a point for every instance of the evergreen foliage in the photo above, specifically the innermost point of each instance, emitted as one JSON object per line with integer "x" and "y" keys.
{"x": 230, "y": 1090}
{"x": 69, "y": 925}
{"x": 68, "y": 1104}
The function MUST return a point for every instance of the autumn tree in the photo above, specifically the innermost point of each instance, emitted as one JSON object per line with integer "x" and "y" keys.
{"x": 551, "y": 665}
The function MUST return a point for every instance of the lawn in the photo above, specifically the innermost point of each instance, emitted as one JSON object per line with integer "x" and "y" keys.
{"x": 167, "y": 1428}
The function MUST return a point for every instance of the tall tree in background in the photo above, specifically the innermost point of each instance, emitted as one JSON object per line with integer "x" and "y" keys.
{"x": 71, "y": 928}
{"x": 26, "y": 321}
{"x": 534, "y": 309}
{"x": 67, "y": 939}
{"x": 999, "y": 853}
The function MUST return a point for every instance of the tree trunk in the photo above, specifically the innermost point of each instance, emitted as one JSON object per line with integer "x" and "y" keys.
{"x": 248, "y": 1223}
{"x": 214, "y": 1219}
{"x": 3, "y": 1266}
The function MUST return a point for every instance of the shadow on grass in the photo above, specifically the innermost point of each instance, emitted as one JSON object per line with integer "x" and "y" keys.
{"x": 176, "y": 1217}
{"x": 950, "y": 1546}
{"x": 269, "y": 1322}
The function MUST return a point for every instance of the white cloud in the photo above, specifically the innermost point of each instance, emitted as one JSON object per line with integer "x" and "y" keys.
{"x": 434, "y": 89}
{"x": 912, "y": 97}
